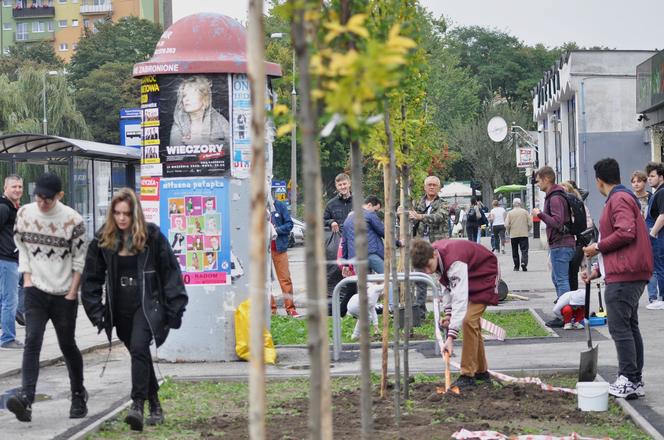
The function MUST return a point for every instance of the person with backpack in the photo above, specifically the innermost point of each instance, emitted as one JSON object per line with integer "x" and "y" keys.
{"x": 562, "y": 243}
{"x": 474, "y": 219}
{"x": 578, "y": 253}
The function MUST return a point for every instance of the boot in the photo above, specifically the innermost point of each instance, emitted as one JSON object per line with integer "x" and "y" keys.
{"x": 156, "y": 416}
{"x": 134, "y": 417}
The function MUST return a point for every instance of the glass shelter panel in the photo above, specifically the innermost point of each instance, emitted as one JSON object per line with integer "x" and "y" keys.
{"x": 103, "y": 191}
{"x": 83, "y": 196}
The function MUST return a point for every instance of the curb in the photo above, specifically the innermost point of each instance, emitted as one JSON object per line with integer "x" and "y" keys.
{"x": 61, "y": 358}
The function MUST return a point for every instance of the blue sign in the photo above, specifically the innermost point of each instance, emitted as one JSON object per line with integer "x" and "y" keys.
{"x": 130, "y": 127}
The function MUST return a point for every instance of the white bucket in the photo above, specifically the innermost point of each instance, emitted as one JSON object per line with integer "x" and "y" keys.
{"x": 592, "y": 396}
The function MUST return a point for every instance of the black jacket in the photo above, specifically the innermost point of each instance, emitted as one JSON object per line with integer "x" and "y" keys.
{"x": 8, "y": 250}
{"x": 163, "y": 295}
{"x": 337, "y": 210}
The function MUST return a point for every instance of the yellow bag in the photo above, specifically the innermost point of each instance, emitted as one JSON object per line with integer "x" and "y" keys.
{"x": 242, "y": 336}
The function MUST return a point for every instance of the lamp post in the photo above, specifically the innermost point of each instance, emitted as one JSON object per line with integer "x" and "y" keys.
{"x": 45, "y": 120}
{"x": 293, "y": 190}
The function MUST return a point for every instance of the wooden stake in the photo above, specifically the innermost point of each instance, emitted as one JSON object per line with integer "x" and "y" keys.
{"x": 258, "y": 237}
{"x": 320, "y": 400}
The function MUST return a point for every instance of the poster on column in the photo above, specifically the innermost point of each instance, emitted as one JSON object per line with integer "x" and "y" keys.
{"x": 150, "y": 163}
{"x": 194, "y": 216}
{"x": 194, "y": 128}
{"x": 241, "y": 120}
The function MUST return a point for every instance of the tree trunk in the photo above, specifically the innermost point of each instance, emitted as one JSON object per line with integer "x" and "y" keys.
{"x": 320, "y": 404}
{"x": 257, "y": 81}
{"x": 405, "y": 252}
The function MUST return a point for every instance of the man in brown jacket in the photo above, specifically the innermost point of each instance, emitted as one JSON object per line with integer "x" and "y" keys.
{"x": 518, "y": 224}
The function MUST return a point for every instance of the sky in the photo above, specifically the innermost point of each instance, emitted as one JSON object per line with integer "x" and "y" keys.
{"x": 618, "y": 24}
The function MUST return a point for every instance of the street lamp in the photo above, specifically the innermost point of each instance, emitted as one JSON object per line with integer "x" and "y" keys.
{"x": 45, "y": 120}
{"x": 293, "y": 194}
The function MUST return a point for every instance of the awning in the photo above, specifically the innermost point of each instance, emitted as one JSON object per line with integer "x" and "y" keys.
{"x": 505, "y": 189}
{"x": 22, "y": 144}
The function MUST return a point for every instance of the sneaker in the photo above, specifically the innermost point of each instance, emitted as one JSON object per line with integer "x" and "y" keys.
{"x": 622, "y": 387}
{"x": 503, "y": 251}
{"x": 20, "y": 319}
{"x": 656, "y": 305}
{"x": 516, "y": 268}
{"x": 379, "y": 308}
{"x": 21, "y": 407}
{"x": 464, "y": 382}
{"x": 524, "y": 268}
{"x": 568, "y": 326}
{"x": 293, "y": 314}
{"x": 555, "y": 323}
{"x": 640, "y": 389}
{"x": 12, "y": 345}
{"x": 578, "y": 326}
{"x": 79, "y": 407}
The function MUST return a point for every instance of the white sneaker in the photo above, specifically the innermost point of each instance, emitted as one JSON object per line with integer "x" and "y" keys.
{"x": 568, "y": 326}
{"x": 641, "y": 389}
{"x": 656, "y": 305}
{"x": 578, "y": 326}
{"x": 622, "y": 387}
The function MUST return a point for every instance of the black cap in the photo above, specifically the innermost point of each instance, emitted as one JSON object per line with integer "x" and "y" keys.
{"x": 47, "y": 186}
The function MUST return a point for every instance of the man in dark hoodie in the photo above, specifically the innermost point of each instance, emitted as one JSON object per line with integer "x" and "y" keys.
{"x": 9, "y": 261}
{"x": 562, "y": 244}
{"x": 626, "y": 262}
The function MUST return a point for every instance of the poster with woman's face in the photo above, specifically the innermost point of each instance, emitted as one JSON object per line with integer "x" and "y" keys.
{"x": 195, "y": 133}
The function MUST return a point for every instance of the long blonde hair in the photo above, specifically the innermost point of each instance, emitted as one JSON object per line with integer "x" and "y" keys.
{"x": 111, "y": 238}
{"x": 570, "y": 189}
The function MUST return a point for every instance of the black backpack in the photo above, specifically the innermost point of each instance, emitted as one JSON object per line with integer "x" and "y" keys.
{"x": 578, "y": 221}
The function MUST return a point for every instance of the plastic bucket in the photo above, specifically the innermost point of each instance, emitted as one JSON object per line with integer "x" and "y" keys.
{"x": 592, "y": 396}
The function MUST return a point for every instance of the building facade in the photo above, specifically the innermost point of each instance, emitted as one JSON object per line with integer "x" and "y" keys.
{"x": 585, "y": 111}
{"x": 62, "y": 22}
{"x": 650, "y": 101}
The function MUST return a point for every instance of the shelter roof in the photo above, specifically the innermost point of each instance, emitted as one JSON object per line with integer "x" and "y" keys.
{"x": 22, "y": 143}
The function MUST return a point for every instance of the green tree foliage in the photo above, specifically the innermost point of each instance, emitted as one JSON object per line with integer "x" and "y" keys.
{"x": 35, "y": 56}
{"x": 21, "y": 106}
{"x": 502, "y": 64}
{"x": 129, "y": 40}
{"x": 102, "y": 94}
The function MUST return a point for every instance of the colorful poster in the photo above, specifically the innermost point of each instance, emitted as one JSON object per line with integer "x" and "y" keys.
{"x": 194, "y": 129}
{"x": 241, "y": 120}
{"x": 150, "y": 125}
{"x": 150, "y": 199}
{"x": 195, "y": 218}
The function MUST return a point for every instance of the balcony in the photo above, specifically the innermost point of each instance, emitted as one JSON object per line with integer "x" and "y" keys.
{"x": 105, "y": 8}
{"x": 36, "y": 12}
{"x": 33, "y": 37}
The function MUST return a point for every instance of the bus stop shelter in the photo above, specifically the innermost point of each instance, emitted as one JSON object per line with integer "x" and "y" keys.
{"x": 90, "y": 171}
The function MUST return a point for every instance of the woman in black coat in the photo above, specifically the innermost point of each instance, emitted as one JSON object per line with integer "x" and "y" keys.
{"x": 132, "y": 264}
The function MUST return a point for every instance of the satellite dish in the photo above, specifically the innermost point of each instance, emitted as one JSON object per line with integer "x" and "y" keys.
{"x": 497, "y": 129}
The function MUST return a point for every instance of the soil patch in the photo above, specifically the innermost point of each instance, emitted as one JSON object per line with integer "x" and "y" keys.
{"x": 510, "y": 409}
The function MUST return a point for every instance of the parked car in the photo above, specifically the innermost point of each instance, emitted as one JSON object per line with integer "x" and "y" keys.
{"x": 297, "y": 234}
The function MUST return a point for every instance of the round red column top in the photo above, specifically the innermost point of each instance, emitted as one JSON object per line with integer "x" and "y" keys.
{"x": 201, "y": 43}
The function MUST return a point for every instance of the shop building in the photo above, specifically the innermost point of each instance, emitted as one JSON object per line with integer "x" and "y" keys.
{"x": 650, "y": 101}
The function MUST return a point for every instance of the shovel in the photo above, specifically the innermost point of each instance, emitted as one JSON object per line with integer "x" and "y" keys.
{"x": 601, "y": 313}
{"x": 588, "y": 364}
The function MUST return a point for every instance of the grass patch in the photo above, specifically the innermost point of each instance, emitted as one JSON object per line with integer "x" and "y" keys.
{"x": 219, "y": 410}
{"x": 517, "y": 324}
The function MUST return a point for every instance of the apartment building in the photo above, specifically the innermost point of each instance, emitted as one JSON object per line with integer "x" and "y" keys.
{"x": 61, "y": 22}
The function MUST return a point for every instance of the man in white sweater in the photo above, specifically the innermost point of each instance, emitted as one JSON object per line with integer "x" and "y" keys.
{"x": 50, "y": 238}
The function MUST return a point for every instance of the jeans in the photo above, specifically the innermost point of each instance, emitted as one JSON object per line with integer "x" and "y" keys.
{"x": 39, "y": 308}
{"x": 622, "y": 305}
{"x": 134, "y": 331}
{"x": 520, "y": 242}
{"x": 377, "y": 265}
{"x": 8, "y": 299}
{"x": 560, "y": 261}
{"x": 471, "y": 231}
{"x": 498, "y": 237}
{"x": 658, "y": 254}
{"x": 653, "y": 291}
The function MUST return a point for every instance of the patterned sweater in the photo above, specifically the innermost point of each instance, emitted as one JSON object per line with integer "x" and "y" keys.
{"x": 51, "y": 246}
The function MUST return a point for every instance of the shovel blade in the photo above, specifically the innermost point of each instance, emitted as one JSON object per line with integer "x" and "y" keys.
{"x": 588, "y": 365}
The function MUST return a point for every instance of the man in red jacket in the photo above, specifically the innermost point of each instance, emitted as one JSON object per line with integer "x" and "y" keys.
{"x": 469, "y": 273}
{"x": 626, "y": 262}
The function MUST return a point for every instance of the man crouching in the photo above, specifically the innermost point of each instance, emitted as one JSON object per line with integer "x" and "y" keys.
{"x": 469, "y": 273}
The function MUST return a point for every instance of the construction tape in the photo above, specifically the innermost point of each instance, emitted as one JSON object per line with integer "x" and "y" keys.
{"x": 464, "y": 434}
{"x": 500, "y": 376}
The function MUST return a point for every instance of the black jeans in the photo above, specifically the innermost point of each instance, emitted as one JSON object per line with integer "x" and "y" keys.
{"x": 39, "y": 308}
{"x": 134, "y": 331}
{"x": 520, "y": 242}
{"x": 622, "y": 305}
{"x": 471, "y": 231}
{"x": 498, "y": 236}
{"x": 574, "y": 266}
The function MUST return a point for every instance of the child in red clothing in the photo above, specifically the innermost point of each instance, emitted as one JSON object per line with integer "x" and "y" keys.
{"x": 571, "y": 308}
